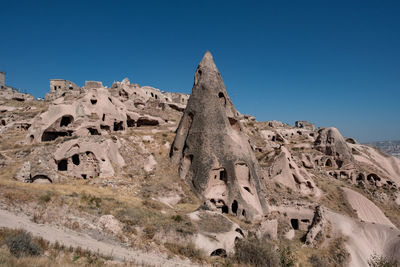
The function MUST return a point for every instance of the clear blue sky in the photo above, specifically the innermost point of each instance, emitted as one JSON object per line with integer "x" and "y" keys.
{"x": 334, "y": 63}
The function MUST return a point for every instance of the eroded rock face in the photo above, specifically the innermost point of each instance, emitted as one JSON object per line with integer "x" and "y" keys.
{"x": 286, "y": 172}
{"x": 88, "y": 159}
{"x": 217, "y": 235}
{"x": 214, "y": 155}
{"x": 331, "y": 143}
{"x": 96, "y": 113}
{"x": 318, "y": 229}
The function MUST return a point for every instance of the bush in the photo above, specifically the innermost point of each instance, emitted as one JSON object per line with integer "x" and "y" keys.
{"x": 381, "y": 261}
{"x": 177, "y": 218}
{"x": 90, "y": 201}
{"x": 288, "y": 259}
{"x": 256, "y": 252}
{"x": 318, "y": 261}
{"x": 338, "y": 252}
{"x": 21, "y": 244}
{"x": 335, "y": 255}
{"x": 45, "y": 198}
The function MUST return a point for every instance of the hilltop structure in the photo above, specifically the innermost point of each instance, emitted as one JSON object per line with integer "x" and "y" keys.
{"x": 11, "y": 93}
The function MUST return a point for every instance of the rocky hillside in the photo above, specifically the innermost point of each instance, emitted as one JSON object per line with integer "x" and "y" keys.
{"x": 389, "y": 147}
{"x": 192, "y": 181}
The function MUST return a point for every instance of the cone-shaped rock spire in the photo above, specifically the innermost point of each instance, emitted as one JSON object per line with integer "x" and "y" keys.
{"x": 214, "y": 155}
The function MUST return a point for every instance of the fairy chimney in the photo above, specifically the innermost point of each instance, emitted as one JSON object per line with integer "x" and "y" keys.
{"x": 214, "y": 154}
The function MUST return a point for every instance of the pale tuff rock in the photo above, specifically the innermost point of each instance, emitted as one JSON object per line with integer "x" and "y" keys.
{"x": 364, "y": 239}
{"x": 150, "y": 164}
{"x": 96, "y": 113}
{"x": 214, "y": 241}
{"x": 110, "y": 224}
{"x": 97, "y": 133}
{"x": 318, "y": 229}
{"x": 214, "y": 155}
{"x": 331, "y": 143}
{"x": 88, "y": 159}
{"x": 23, "y": 174}
{"x": 268, "y": 228}
{"x": 286, "y": 172}
{"x": 10, "y": 93}
{"x": 365, "y": 208}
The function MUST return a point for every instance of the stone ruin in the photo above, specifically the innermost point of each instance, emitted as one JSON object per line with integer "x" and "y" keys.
{"x": 60, "y": 87}
{"x": 305, "y": 125}
{"x": 10, "y": 93}
{"x": 214, "y": 154}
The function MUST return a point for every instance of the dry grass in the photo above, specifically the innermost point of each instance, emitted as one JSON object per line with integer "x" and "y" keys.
{"x": 186, "y": 250}
{"x": 334, "y": 255}
{"x": 213, "y": 223}
{"x": 256, "y": 252}
{"x": 334, "y": 197}
{"x": 51, "y": 254}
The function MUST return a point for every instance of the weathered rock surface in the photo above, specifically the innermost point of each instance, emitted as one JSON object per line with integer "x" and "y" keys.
{"x": 217, "y": 234}
{"x": 116, "y": 143}
{"x": 318, "y": 229}
{"x": 214, "y": 154}
{"x": 365, "y": 208}
{"x": 286, "y": 172}
{"x": 331, "y": 143}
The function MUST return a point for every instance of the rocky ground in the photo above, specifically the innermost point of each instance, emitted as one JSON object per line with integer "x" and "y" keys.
{"x": 170, "y": 180}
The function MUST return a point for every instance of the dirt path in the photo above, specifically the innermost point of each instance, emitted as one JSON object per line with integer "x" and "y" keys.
{"x": 74, "y": 239}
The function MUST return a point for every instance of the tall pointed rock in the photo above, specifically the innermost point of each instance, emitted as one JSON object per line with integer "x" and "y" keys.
{"x": 214, "y": 154}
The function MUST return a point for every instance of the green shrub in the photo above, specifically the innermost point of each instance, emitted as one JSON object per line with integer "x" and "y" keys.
{"x": 288, "y": 259}
{"x": 177, "y": 218}
{"x": 45, "y": 198}
{"x": 21, "y": 244}
{"x": 318, "y": 261}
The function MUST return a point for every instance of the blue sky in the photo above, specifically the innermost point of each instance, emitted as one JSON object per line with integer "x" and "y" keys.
{"x": 334, "y": 63}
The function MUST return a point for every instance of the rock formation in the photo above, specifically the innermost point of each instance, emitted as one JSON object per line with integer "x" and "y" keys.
{"x": 332, "y": 143}
{"x": 318, "y": 229}
{"x": 286, "y": 171}
{"x": 215, "y": 156}
{"x": 102, "y": 158}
